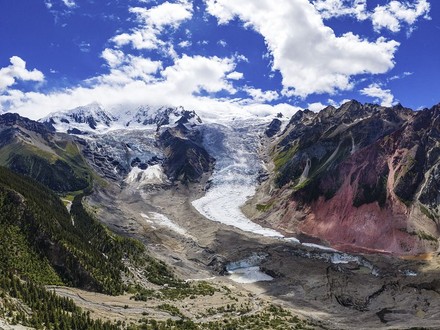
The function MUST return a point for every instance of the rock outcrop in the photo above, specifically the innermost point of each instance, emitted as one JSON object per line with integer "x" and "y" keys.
{"x": 185, "y": 158}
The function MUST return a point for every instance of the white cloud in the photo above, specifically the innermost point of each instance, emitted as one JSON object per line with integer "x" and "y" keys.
{"x": 153, "y": 22}
{"x": 17, "y": 71}
{"x": 235, "y": 75}
{"x": 316, "y": 106}
{"x": 241, "y": 58}
{"x": 382, "y": 96}
{"x": 125, "y": 69}
{"x": 261, "y": 96}
{"x": 185, "y": 44}
{"x": 196, "y": 74}
{"x": 308, "y": 54}
{"x": 69, "y": 3}
{"x": 134, "y": 80}
{"x": 113, "y": 57}
{"x": 165, "y": 14}
{"x": 392, "y": 15}
{"x": 336, "y": 8}
{"x": 337, "y": 104}
{"x": 401, "y": 76}
{"x": 84, "y": 46}
{"x": 222, "y": 43}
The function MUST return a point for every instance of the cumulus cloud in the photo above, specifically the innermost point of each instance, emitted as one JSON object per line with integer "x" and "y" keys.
{"x": 235, "y": 75}
{"x": 17, "y": 71}
{"x": 137, "y": 80}
{"x": 337, "y": 104}
{"x": 310, "y": 57}
{"x": 69, "y": 3}
{"x": 185, "y": 44}
{"x": 382, "y": 96}
{"x": 195, "y": 74}
{"x": 308, "y": 54}
{"x": 190, "y": 81}
{"x": 48, "y": 4}
{"x": 113, "y": 57}
{"x": 392, "y": 15}
{"x": 180, "y": 84}
{"x": 261, "y": 96}
{"x": 152, "y": 22}
{"x": 316, "y": 106}
{"x": 336, "y": 8}
{"x": 126, "y": 68}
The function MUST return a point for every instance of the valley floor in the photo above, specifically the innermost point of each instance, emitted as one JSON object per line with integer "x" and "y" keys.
{"x": 331, "y": 290}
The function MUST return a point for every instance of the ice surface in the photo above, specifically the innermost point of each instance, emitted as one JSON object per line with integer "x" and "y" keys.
{"x": 409, "y": 273}
{"x": 249, "y": 275}
{"x": 254, "y": 260}
{"x": 248, "y": 270}
{"x": 235, "y": 175}
{"x": 292, "y": 240}
{"x": 319, "y": 247}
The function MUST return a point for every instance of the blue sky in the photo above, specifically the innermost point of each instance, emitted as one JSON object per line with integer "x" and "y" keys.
{"x": 225, "y": 56}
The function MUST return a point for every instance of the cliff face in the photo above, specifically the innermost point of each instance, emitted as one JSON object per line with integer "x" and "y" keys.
{"x": 361, "y": 177}
{"x": 185, "y": 158}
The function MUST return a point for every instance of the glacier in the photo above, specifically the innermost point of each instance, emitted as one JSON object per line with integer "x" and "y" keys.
{"x": 234, "y": 180}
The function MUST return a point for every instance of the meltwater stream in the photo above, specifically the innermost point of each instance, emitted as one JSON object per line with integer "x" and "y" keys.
{"x": 235, "y": 175}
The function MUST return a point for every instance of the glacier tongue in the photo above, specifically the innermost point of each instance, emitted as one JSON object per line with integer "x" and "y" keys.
{"x": 235, "y": 148}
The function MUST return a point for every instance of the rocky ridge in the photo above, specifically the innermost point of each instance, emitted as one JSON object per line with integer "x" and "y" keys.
{"x": 361, "y": 178}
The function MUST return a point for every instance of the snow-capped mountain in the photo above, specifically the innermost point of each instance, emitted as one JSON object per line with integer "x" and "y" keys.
{"x": 93, "y": 118}
{"x": 127, "y": 143}
{"x": 85, "y": 118}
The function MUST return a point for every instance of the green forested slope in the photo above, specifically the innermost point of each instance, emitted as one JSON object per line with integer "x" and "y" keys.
{"x": 40, "y": 245}
{"x": 41, "y": 241}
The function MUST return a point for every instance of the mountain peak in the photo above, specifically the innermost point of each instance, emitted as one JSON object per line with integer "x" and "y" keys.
{"x": 94, "y": 118}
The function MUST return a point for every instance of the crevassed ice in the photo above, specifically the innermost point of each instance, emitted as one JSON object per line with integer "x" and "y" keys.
{"x": 235, "y": 175}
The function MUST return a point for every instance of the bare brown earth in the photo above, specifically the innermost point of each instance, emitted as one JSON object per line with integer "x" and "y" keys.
{"x": 378, "y": 292}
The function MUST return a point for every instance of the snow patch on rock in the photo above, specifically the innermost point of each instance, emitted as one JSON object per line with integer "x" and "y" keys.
{"x": 152, "y": 175}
